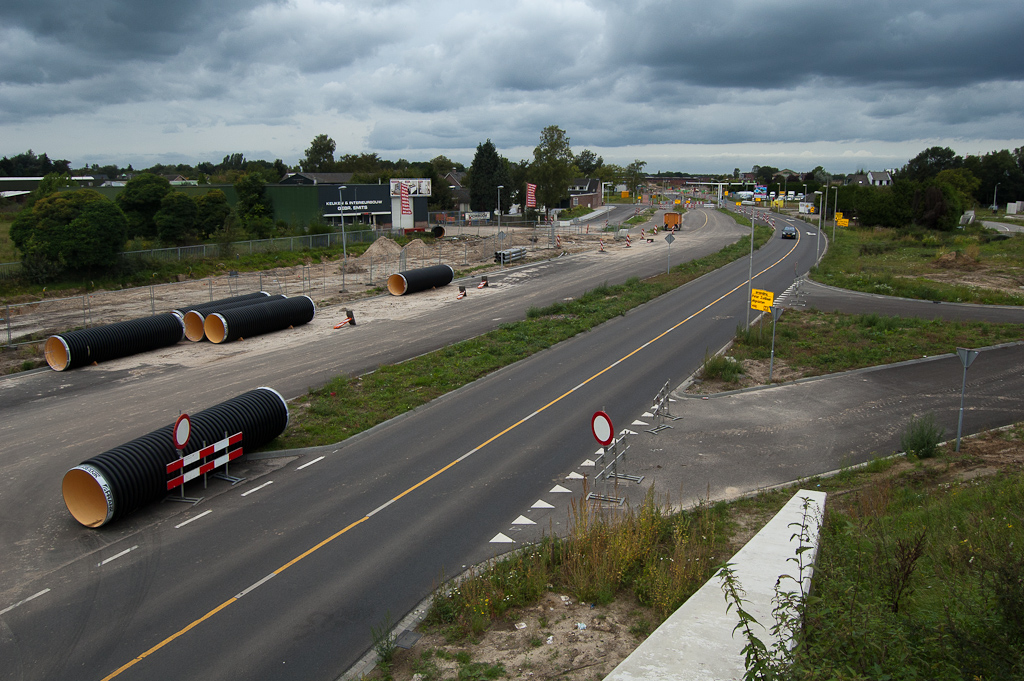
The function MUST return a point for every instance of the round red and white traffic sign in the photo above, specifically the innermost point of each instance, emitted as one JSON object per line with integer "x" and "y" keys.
{"x": 182, "y": 431}
{"x": 601, "y": 425}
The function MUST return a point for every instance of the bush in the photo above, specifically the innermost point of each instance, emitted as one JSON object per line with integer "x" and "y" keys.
{"x": 721, "y": 367}
{"x": 922, "y": 437}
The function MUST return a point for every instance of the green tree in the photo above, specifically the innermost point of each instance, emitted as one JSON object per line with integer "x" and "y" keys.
{"x": 485, "y": 174}
{"x": 930, "y": 163}
{"x": 177, "y": 218}
{"x": 255, "y": 209}
{"x": 213, "y": 210}
{"x": 634, "y": 175}
{"x": 553, "y": 167}
{"x": 140, "y": 200}
{"x": 442, "y": 165}
{"x": 319, "y": 156}
{"x": 997, "y": 168}
{"x": 963, "y": 181}
{"x": 77, "y": 230}
{"x": 588, "y": 162}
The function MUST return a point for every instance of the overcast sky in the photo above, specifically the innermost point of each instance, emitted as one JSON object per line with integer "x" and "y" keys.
{"x": 691, "y": 86}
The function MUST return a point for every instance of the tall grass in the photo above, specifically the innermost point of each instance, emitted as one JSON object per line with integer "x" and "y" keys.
{"x": 923, "y": 584}
{"x": 660, "y": 557}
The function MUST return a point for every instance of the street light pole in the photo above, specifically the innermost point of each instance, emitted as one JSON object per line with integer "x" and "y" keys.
{"x": 500, "y": 187}
{"x": 750, "y": 270}
{"x": 835, "y": 209}
{"x": 995, "y": 192}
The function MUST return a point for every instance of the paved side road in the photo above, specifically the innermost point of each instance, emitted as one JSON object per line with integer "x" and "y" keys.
{"x": 738, "y": 442}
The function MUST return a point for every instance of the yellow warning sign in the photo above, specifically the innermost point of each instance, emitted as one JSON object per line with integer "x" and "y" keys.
{"x": 844, "y": 222}
{"x": 761, "y": 300}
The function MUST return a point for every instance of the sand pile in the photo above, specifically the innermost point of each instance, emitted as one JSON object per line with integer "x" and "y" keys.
{"x": 417, "y": 248}
{"x": 383, "y": 248}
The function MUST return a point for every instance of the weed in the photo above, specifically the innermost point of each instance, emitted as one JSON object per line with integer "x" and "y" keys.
{"x": 385, "y": 641}
{"x": 721, "y": 367}
{"x": 922, "y": 437}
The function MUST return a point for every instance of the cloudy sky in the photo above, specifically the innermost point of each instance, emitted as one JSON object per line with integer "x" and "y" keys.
{"x": 692, "y": 86}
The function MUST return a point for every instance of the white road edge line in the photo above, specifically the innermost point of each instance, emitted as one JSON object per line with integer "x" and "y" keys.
{"x": 180, "y": 525}
{"x": 115, "y": 557}
{"x": 256, "y": 489}
{"x": 12, "y": 607}
{"x": 310, "y": 463}
{"x": 256, "y": 585}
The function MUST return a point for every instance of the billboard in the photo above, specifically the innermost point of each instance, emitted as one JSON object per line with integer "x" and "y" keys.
{"x": 419, "y": 187}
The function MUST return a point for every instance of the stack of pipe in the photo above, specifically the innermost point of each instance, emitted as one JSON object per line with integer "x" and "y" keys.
{"x": 252, "y": 320}
{"x": 195, "y": 319}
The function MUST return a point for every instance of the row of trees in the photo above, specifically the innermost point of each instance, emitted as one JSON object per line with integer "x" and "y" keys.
{"x": 83, "y": 231}
{"x": 552, "y": 169}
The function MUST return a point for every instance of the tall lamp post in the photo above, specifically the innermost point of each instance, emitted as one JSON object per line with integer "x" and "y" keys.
{"x": 498, "y": 210}
{"x": 817, "y": 236}
{"x": 344, "y": 252}
{"x": 995, "y": 192}
{"x": 835, "y": 209}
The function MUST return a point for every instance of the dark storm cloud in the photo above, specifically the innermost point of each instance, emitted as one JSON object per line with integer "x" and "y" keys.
{"x": 447, "y": 75}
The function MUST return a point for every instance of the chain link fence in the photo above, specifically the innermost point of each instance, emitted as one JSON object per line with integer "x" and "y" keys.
{"x": 328, "y": 281}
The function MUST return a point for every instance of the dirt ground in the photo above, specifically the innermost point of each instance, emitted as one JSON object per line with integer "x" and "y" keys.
{"x": 558, "y": 637}
{"x": 334, "y": 285}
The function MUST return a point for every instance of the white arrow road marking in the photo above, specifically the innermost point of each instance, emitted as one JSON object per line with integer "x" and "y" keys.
{"x": 588, "y": 463}
{"x": 639, "y": 423}
{"x": 559, "y": 488}
{"x": 523, "y": 520}
{"x": 502, "y": 539}
{"x": 540, "y": 503}
{"x": 574, "y": 476}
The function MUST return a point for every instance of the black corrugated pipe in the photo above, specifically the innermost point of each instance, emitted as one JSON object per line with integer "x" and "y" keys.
{"x": 195, "y": 319}
{"x": 214, "y": 304}
{"x": 412, "y": 281}
{"x": 253, "y": 320}
{"x": 119, "y": 481}
{"x": 110, "y": 341}
{"x": 438, "y": 232}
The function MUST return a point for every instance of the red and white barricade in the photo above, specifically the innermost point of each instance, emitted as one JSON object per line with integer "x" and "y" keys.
{"x": 200, "y": 457}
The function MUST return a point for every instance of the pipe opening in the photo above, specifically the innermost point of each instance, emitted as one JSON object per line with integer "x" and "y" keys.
{"x": 57, "y": 354}
{"x": 216, "y": 328}
{"x": 397, "y": 285}
{"x": 88, "y": 496}
{"x": 194, "y": 326}
{"x": 438, "y": 231}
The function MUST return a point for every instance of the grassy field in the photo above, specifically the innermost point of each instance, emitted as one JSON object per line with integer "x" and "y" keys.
{"x": 912, "y": 265}
{"x": 826, "y": 342}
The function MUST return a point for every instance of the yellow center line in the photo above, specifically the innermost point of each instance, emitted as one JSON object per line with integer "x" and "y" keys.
{"x": 438, "y": 472}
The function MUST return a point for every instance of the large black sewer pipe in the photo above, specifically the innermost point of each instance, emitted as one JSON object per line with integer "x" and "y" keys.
{"x": 110, "y": 341}
{"x": 121, "y": 480}
{"x": 214, "y": 304}
{"x": 195, "y": 319}
{"x": 438, "y": 231}
{"x": 253, "y": 320}
{"x": 412, "y": 281}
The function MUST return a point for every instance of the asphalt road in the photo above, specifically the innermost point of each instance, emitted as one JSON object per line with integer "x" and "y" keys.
{"x": 366, "y": 531}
